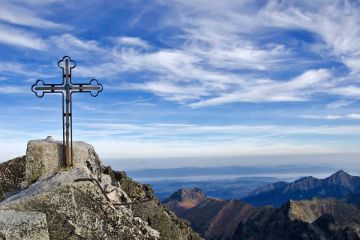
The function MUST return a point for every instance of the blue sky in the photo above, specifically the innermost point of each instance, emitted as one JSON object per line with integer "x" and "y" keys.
{"x": 188, "y": 83}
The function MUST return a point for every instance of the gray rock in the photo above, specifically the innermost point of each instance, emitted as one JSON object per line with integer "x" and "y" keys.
{"x": 44, "y": 157}
{"x": 25, "y": 225}
{"x": 83, "y": 209}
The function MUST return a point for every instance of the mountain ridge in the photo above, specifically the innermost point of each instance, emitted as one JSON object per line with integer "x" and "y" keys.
{"x": 338, "y": 185}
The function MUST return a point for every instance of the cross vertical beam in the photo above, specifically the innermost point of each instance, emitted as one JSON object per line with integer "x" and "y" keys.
{"x": 68, "y": 152}
{"x": 67, "y": 88}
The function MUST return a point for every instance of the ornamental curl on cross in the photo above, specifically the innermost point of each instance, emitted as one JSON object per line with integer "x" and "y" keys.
{"x": 67, "y": 88}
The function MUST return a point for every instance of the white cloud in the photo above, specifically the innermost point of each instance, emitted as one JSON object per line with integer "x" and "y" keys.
{"x": 299, "y": 88}
{"x": 76, "y": 46}
{"x": 132, "y": 41}
{"x": 16, "y": 37}
{"x": 348, "y": 91}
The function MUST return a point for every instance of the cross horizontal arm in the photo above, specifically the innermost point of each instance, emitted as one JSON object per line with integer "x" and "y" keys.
{"x": 93, "y": 87}
{"x": 48, "y": 88}
{"x": 86, "y": 88}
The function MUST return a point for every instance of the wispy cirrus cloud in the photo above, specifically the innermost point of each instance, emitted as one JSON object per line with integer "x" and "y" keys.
{"x": 300, "y": 88}
{"x": 21, "y": 38}
{"x": 18, "y": 17}
{"x": 337, "y": 23}
{"x": 17, "y": 14}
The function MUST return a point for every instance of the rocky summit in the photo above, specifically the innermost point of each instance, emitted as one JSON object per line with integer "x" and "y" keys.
{"x": 184, "y": 199}
{"x": 42, "y": 200}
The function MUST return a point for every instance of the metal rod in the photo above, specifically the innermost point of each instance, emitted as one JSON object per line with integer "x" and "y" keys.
{"x": 71, "y": 137}
{"x": 63, "y": 126}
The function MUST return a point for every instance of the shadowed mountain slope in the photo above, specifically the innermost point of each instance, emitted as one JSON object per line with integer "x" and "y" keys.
{"x": 338, "y": 185}
{"x": 212, "y": 218}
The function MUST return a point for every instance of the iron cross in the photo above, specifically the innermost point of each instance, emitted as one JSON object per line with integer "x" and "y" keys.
{"x": 67, "y": 88}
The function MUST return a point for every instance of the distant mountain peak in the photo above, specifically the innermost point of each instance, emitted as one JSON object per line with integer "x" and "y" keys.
{"x": 187, "y": 194}
{"x": 341, "y": 177}
{"x": 341, "y": 173}
{"x": 184, "y": 198}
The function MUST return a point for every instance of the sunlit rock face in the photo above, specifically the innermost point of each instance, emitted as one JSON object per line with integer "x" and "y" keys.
{"x": 183, "y": 200}
{"x": 212, "y": 218}
{"x": 54, "y": 205}
{"x": 310, "y": 210}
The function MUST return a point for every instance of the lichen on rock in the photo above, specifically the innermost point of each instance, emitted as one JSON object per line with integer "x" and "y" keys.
{"x": 13, "y": 225}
